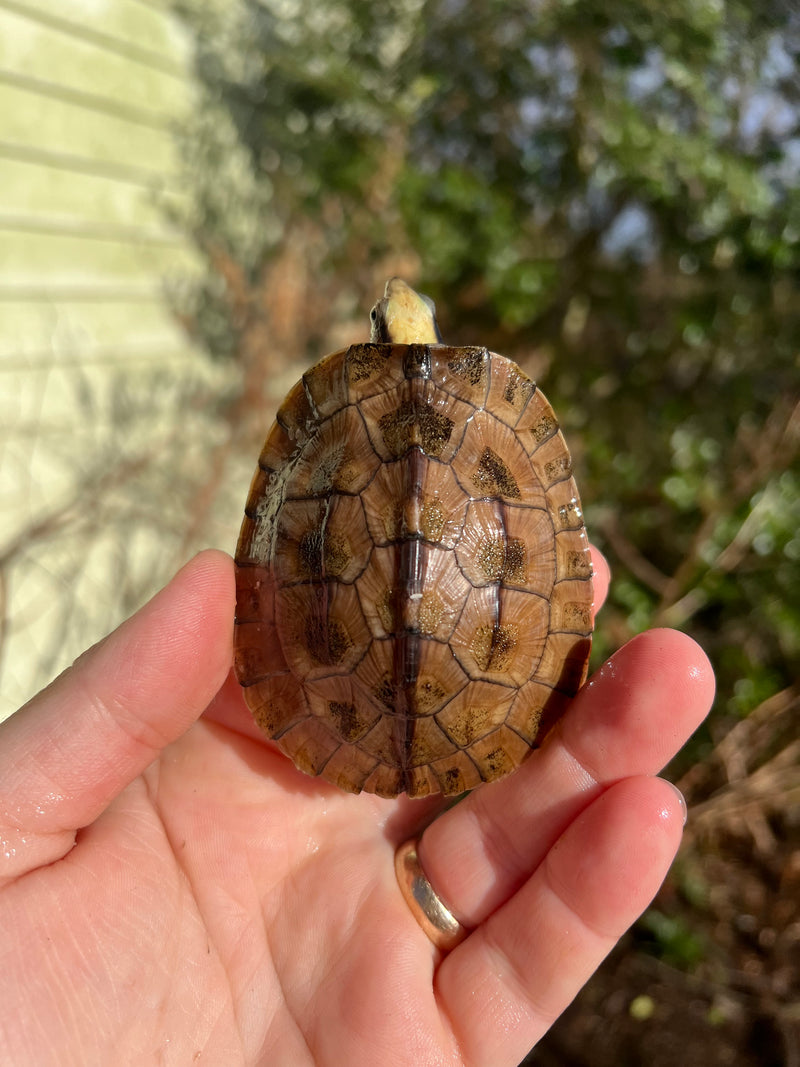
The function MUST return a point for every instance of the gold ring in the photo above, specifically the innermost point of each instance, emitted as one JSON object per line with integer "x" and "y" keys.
{"x": 430, "y": 911}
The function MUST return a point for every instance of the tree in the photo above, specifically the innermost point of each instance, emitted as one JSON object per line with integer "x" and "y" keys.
{"x": 606, "y": 192}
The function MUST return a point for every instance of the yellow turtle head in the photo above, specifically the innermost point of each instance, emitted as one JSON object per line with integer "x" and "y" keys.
{"x": 404, "y": 317}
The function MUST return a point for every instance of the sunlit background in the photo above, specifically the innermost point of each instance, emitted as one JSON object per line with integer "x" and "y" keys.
{"x": 200, "y": 199}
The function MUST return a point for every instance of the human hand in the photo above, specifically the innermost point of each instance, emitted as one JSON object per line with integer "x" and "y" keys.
{"x": 174, "y": 891}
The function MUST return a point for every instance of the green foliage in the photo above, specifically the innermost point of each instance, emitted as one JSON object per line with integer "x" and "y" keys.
{"x": 670, "y": 939}
{"x": 611, "y": 185}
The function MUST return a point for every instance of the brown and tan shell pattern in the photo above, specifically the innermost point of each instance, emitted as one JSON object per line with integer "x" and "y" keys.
{"x": 414, "y": 582}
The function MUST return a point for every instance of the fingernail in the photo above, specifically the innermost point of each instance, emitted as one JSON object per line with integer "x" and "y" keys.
{"x": 681, "y": 799}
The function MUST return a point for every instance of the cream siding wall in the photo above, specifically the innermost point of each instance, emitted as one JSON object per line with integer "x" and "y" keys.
{"x": 92, "y": 363}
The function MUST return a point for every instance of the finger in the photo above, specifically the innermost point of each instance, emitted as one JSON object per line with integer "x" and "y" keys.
{"x": 229, "y": 709}
{"x": 503, "y": 987}
{"x": 629, "y": 719}
{"x": 601, "y": 576}
{"x": 74, "y": 747}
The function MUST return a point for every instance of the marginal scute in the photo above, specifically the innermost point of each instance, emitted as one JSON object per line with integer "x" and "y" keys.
{"x": 349, "y": 768}
{"x": 417, "y": 361}
{"x": 537, "y": 423}
{"x": 517, "y": 389}
{"x": 570, "y": 515}
{"x": 471, "y": 365}
{"x": 295, "y": 417}
{"x": 258, "y": 654}
{"x": 310, "y": 744}
{"x": 277, "y": 704}
{"x": 563, "y": 661}
{"x": 552, "y": 462}
{"x": 456, "y": 774}
{"x": 365, "y": 362}
{"x": 451, "y": 780}
{"x": 326, "y": 385}
{"x": 510, "y": 391}
{"x": 498, "y": 753}
{"x": 576, "y": 616}
{"x": 414, "y": 594}
{"x": 385, "y": 781}
{"x": 280, "y": 448}
{"x": 573, "y": 559}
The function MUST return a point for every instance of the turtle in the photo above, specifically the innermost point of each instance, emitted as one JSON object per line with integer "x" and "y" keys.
{"x": 414, "y": 583}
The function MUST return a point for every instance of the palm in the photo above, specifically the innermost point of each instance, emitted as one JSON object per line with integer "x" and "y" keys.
{"x": 300, "y": 901}
{"x": 224, "y": 906}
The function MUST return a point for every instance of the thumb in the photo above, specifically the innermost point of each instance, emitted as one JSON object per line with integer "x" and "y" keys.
{"x": 75, "y": 746}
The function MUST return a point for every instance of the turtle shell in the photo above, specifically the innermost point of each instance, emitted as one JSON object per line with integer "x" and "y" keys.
{"x": 414, "y": 586}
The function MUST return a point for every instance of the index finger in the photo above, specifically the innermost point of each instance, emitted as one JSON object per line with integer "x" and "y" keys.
{"x": 601, "y": 576}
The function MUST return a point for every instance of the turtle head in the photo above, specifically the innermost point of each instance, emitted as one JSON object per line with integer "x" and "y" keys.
{"x": 404, "y": 317}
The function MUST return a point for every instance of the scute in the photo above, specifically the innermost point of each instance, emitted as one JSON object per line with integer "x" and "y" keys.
{"x": 414, "y": 593}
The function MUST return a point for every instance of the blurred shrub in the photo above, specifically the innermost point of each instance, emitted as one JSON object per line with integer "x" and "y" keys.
{"x": 607, "y": 191}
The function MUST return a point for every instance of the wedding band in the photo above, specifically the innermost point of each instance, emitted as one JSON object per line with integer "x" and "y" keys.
{"x": 438, "y": 922}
